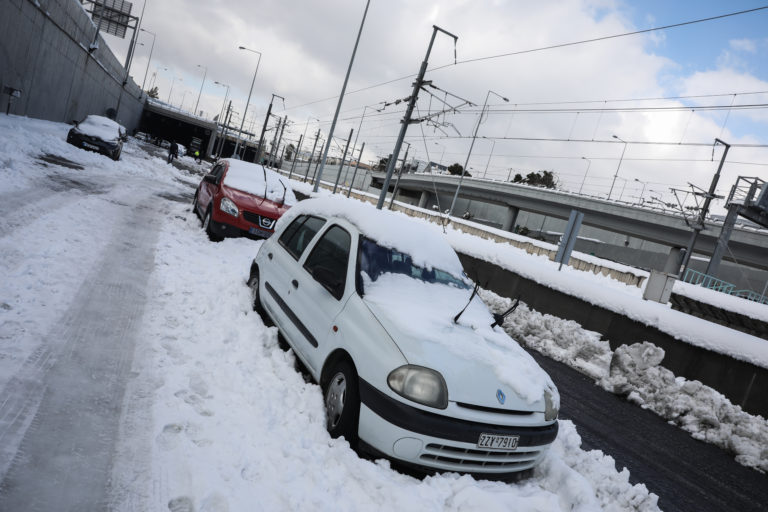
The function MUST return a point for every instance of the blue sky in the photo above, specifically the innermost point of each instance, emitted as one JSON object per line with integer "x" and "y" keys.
{"x": 698, "y": 47}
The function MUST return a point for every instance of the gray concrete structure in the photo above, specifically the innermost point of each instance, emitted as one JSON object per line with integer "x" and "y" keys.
{"x": 641, "y": 237}
{"x": 742, "y": 382}
{"x": 44, "y": 53}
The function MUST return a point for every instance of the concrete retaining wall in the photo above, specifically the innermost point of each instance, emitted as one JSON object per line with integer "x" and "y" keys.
{"x": 44, "y": 52}
{"x": 743, "y": 383}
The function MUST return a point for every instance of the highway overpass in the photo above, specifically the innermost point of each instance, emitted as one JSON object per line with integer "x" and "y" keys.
{"x": 747, "y": 246}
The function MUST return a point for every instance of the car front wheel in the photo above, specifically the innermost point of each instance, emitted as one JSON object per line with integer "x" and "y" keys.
{"x": 208, "y": 227}
{"x": 342, "y": 402}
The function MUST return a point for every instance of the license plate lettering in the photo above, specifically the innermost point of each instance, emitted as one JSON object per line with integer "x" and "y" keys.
{"x": 498, "y": 442}
{"x": 90, "y": 146}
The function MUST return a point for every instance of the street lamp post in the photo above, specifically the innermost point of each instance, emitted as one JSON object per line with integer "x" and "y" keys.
{"x": 226, "y": 97}
{"x": 474, "y": 136}
{"x": 619, "y": 166}
{"x": 640, "y": 200}
{"x": 205, "y": 74}
{"x": 171, "y": 89}
{"x": 242, "y": 122}
{"x": 489, "y": 158}
{"x": 154, "y": 75}
{"x": 589, "y": 163}
{"x": 152, "y": 48}
{"x": 341, "y": 98}
{"x": 441, "y": 153}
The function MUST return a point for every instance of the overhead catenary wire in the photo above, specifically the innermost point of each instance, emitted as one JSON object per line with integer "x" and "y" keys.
{"x": 545, "y": 48}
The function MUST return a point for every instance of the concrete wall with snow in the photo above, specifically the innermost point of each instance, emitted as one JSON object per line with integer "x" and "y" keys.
{"x": 44, "y": 52}
{"x": 742, "y": 382}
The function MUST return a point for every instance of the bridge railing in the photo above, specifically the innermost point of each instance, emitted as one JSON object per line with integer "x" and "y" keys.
{"x": 698, "y": 278}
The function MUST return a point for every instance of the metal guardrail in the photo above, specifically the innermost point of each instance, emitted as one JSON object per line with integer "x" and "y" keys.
{"x": 698, "y": 278}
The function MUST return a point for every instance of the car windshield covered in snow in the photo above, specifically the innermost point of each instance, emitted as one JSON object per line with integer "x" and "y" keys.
{"x": 376, "y": 260}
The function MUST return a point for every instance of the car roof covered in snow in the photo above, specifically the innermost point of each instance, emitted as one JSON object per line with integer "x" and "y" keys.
{"x": 249, "y": 177}
{"x": 101, "y": 127}
{"x": 424, "y": 242}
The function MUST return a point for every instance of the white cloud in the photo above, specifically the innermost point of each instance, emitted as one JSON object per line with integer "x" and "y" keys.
{"x": 306, "y": 48}
{"x": 743, "y": 45}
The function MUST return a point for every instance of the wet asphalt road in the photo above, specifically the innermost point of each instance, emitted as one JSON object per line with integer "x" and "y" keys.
{"x": 687, "y": 475}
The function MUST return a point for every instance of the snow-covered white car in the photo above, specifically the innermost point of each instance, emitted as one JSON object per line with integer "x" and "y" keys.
{"x": 377, "y": 307}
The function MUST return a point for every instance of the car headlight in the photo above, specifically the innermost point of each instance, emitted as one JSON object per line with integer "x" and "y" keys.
{"x": 228, "y": 207}
{"x": 550, "y": 409}
{"x": 419, "y": 384}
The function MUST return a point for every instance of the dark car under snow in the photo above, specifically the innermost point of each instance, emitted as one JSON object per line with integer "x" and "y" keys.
{"x": 99, "y": 134}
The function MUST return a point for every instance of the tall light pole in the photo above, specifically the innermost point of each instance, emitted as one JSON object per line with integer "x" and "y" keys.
{"x": 489, "y": 158}
{"x": 640, "y": 201}
{"x": 474, "y": 136}
{"x": 619, "y": 166}
{"x": 171, "y": 89}
{"x": 589, "y": 163}
{"x": 226, "y": 97}
{"x": 154, "y": 75}
{"x": 152, "y": 48}
{"x": 242, "y": 122}
{"x": 441, "y": 153}
{"x": 341, "y": 98}
{"x": 205, "y": 74}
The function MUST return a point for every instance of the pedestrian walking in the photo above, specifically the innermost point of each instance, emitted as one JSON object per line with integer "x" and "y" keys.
{"x": 173, "y": 151}
{"x": 197, "y": 157}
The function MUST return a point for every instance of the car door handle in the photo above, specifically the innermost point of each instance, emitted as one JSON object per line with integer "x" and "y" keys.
{"x": 269, "y": 255}
{"x": 295, "y": 283}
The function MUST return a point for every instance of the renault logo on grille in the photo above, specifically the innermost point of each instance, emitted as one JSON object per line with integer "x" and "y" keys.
{"x": 500, "y": 396}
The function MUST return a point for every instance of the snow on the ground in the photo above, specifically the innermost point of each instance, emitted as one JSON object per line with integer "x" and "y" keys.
{"x": 216, "y": 416}
{"x": 235, "y": 423}
{"x": 635, "y": 371}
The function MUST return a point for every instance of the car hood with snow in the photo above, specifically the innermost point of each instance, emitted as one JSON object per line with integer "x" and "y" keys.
{"x": 419, "y": 317}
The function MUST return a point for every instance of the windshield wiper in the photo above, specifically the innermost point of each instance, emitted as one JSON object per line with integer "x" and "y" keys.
{"x": 499, "y": 318}
{"x": 474, "y": 292}
{"x": 285, "y": 190}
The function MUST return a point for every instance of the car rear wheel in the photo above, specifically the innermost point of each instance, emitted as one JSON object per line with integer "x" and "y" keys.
{"x": 194, "y": 205}
{"x": 208, "y": 227}
{"x": 342, "y": 402}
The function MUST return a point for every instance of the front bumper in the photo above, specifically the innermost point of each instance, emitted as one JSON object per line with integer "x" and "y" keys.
{"x": 229, "y": 226}
{"x": 424, "y": 439}
{"x": 93, "y": 144}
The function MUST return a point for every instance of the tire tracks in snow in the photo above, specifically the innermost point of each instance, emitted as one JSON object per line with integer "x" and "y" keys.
{"x": 60, "y": 414}
{"x": 55, "y": 192}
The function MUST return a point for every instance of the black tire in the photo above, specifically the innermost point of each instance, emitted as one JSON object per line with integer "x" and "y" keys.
{"x": 208, "y": 227}
{"x": 194, "y": 206}
{"x": 253, "y": 284}
{"x": 341, "y": 397}
{"x": 116, "y": 154}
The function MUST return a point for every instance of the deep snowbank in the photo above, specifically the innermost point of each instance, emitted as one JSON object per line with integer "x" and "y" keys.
{"x": 634, "y": 371}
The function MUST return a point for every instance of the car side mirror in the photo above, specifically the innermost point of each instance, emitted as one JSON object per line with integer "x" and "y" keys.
{"x": 210, "y": 178}
{"x": 328, "y": 279}
{"x": 75, "y": 122}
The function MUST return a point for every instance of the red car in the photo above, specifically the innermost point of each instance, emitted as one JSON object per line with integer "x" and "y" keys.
{"x": 241, "y": 199}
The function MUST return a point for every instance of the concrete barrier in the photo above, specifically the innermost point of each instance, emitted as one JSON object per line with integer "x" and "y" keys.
{"x": 743, "y": 383}
{"x": 44, "y": 53}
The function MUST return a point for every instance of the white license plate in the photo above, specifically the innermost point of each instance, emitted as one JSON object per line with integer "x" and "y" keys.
{"x": 91, "y": 146}
{"x": 498, "y": 442}
{"x": 259, "y": 232}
